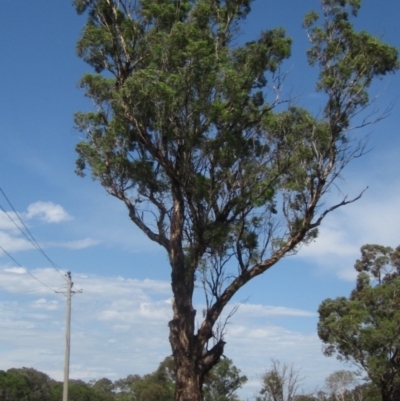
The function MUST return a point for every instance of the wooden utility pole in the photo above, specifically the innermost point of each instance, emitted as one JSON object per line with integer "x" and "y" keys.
{"x": 67, "y": 336}
{"x": 68, "y": 294}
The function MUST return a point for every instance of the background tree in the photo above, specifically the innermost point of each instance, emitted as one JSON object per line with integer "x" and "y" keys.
{"x": 365, "y": 392}
{"x": 339, "y": 384}
{"x": 280, "y": 383}
{"x": 78, "y": 390}
{"x": 150, "y": 387}
{"x": 104, "y": 389}
{"x": 123, "y": 387}
{"x": 308, "y": 397}
{"x": 222, "y": 382}
{"x": 365, "y": 328}
{"x": 105, "y": 385}
{"x": 157, "y": 385}
{"x": 184, "y": 134}
{"x": 338, "y": 387}
{"x": 25, "y": 384}
{"x": 12, "y": 386}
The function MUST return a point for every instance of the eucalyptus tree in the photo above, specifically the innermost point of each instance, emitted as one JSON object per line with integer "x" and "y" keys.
{"x": 25, "y": 384}
{"x": 185, "y": 134}
{"x": 281, "y": 382}
{"x": 365, "y": 328}
{"x": 223, "y": 381}
{"x": 340, "y": 383}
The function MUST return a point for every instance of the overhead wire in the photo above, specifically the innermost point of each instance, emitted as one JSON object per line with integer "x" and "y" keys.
{"x": 26, "y": 270}
{"x": 29, "y": 237}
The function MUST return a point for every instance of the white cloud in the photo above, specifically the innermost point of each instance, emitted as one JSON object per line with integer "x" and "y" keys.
{"x": 11, "y": 243}
{"x": 47, "y": 212}
{"x": 8, "y": 221}
{"x": 117, "y": 288}
{"x": 15, "y": 270}
{"x": 11, "y": 230}
{"x": 336, "y": 248}
{"x": 43, "y": 303}
{"x": 253, "y": 346}
{"x": 252, "y": 310}
{"x": 16, "y": 280}
{"x": 77, "y": 244}
{"x": 377, "y": 219}
{"x": 132, "y": 312}
{"x": 371, "y": 220}
{"x": 122, "y": 328}
{"x": 332, "y": 241}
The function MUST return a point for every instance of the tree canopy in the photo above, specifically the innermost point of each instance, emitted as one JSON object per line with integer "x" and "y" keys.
{"x": 339, "y": 384}
{"x": 365, "y": 328}
{"x": 281, "y": 382}
{"x": 185, "y": 134}
{"x": 25, "y": 384}
{"x": 223, "y": 381}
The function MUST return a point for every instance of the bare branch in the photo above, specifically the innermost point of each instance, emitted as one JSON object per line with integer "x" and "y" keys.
{"x": 331, "y": 209}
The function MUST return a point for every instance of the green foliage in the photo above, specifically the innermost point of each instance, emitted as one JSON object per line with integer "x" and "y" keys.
{"x": 364, "y": 328}
{"x": 104, "y": 389}
{"x": 280, "y": 383}
{"x": 153, "y": 387}
{"x": 340, "y": 384}
{"x": 367, "y": 392}
{"x": 348, "y": 60}
{"x": 31, "y": 385}
{"x": 273, "y": 386}
{"x": 78, "y": 390}
{"x": 25, "y": 384}
{"x": 222, "y": 382}
{"x": 159, "y": 385}
{"x": 180, "y": 106}
{"x": 184, "y": 115}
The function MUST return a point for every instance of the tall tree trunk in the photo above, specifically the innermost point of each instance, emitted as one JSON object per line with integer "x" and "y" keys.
{"x": 189, "y": 373}
{"x": 192, "y": 360}
{"x": 185, "y": 349}
{"x": 189, "y": 382}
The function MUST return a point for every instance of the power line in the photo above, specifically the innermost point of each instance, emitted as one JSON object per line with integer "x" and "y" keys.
{"x": 30, "y": 238}
{"x": 26, "y": 270}
{"x": 32, "y": 241}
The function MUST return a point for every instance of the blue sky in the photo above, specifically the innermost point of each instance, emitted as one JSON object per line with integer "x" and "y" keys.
{"x": 119, "y": 323}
